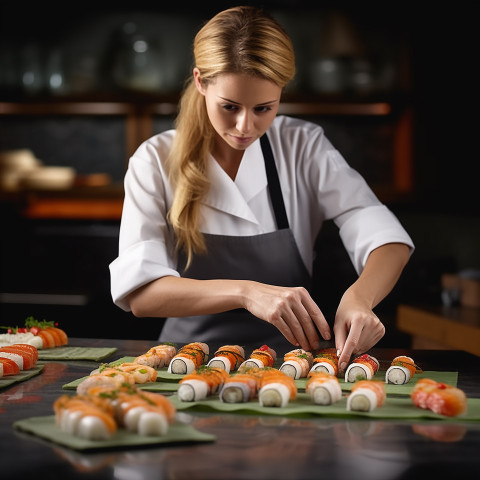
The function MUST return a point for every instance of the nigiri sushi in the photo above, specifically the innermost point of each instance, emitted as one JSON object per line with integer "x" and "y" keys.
{"x": 8, "y": 367}
{"x": 228, "y": 357}
{"x": 158, "y": 356}
{"x": 188, "y": 358}
{"x": 323, "y": 388}
{"x": 297, "y": 363}
{"x": 363, "y": 367}
{"x": 439, "y": 397}
{"x": 366, "y": 396}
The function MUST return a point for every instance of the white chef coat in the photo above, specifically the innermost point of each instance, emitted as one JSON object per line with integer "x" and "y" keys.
{"x": 316, "y": 182}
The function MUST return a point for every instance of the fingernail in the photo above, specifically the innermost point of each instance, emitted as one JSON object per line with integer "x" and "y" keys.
{"x": 338, "y": 352}
{"x": 343, "y": 366}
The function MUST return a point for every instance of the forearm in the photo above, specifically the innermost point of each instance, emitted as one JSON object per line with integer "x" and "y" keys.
{"x": 382, "y": 271}
{"x": 173, "y": 296}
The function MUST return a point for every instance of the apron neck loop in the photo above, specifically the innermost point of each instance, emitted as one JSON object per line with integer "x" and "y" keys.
{"x": 274, "y": 184}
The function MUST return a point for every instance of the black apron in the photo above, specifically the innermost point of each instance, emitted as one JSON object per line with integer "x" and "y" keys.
{"x": 272, "y": 258}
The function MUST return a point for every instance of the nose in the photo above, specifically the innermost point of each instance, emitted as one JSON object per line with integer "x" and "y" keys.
{"x": 244, "y": 122}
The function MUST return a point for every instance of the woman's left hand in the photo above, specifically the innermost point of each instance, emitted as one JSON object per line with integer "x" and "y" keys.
{"x": 356, "y": 328}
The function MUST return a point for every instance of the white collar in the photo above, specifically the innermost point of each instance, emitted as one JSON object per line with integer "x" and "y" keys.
{"x": 233, "y": 197}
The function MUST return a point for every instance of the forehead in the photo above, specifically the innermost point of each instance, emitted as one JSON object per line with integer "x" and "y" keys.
{"x": 242, "y": 88}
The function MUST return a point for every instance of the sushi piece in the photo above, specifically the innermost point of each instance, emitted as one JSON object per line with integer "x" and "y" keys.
{"x": 201, "y": 383}
{"x": 129, "y": 371}
{"x": 85, "y": 417}
{"x": 145, "y": 413}
{"x": 260, "y": 357}
{"x": 439, "y": 397}
{"x": 157, "y": 357}
{"x": 363, "y": 367}
{"x": 8, "y": 367}
{"x": 401, "y": 370}
{"x": 366, "y": 396}
{"x": 99, "y": 380}
{"x": 297, "y": 363}
{"x": 323, "y": 388}
{"x": 239, "y": 388}
{"x": 228, "y": 357}
{"x": 189, "y": 358}
{"x": 24, "y": 355}
{"x": 276, "y": 389}
{"x": 326, "y": 360}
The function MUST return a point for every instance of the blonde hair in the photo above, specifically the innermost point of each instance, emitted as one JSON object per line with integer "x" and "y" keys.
{"x": 238, "y": 40}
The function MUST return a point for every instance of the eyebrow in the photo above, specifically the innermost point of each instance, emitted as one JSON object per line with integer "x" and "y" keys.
{"x": 258, "y": 105}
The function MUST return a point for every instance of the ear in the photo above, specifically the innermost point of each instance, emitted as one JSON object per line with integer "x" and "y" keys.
{"x": 198, "y": 81}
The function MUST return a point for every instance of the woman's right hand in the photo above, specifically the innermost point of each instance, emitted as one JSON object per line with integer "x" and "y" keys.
{"x": 290, "y": 309}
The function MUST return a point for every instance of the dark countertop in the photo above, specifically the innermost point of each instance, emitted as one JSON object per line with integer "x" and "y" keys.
{"x": 249, "y": 446}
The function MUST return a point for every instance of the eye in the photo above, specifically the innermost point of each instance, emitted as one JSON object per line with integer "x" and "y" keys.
{"x": 229, "y": 107}
{"x": 263, "y": 109}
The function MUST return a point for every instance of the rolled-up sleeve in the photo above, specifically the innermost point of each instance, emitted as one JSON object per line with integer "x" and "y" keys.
{"x": 369, "y": 228}
{"x": 146, "y": 244}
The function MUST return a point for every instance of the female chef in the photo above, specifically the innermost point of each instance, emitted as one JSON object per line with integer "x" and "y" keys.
{"x": 221, "y": 214}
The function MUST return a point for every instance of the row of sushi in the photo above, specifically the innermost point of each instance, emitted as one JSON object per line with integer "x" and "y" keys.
{"x": 40, "y": 334}
{"x": 100, "y": 411}
{"x": 16, "y": 358}
{"x": 297, "y": 363}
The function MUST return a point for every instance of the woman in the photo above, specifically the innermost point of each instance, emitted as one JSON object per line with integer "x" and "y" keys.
{"x": 221, "y": 214}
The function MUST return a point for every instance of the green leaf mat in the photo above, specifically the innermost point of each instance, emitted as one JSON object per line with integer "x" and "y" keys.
{"x": 23, "y": 375}
{"x": 168, "y": 382}
{"x": 68, "y": 352}
{"x": 302, "y": 406}
{"x": 46, "y": 428}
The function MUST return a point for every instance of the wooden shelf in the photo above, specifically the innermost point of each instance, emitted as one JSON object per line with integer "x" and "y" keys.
{"x": 441, "y": 327}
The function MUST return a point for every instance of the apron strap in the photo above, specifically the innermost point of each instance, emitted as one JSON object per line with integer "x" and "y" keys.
{"x": 274, "y": 184}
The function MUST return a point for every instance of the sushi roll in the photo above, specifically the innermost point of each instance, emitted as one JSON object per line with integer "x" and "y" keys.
{"x": 157, "y": 357}
{"x": 85, "y": 417}
{"x": 363, "y": 367}
{"x": 276, "y": 390}
{"x": 439, "y": 397}
{"x": 326, "y": 360}
{"x": 401, "y": 370}
{"x": 239, "y": 388}
{"x": 259, "y": 358}
{"x": 201, "y": 383}
{"x": 366, "y": 396}
{"x": 297, "y": 363}
{"x": 189, "y": 358}
{"x": 228, "y": 357}
{"x": 323, "y": 388}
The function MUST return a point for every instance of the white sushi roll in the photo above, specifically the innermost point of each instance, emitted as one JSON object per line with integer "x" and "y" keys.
{"x": 274, "y": 395}
{"x": 181, "y": 366}
{"x": 18, "y": 359}
{"x": 362, "y": 400}
{"x": 292, "y": 369}
{"x": 152, "y": 424}
{"x": 235, "y": 392}
{"x": 323, "y": 367}
{"x": 251, "y": 363}
{"x": 326, "y": 393}
{"x": 68, "y": 421}
{"x": 357, "y": 371}
{"x": 91, "y": 427}
{"x": 220, "y": 362}
{"x": 397, "y": 375}
{"x": 192, "y": 390}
